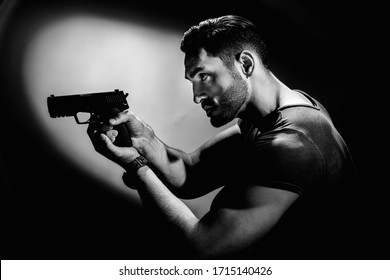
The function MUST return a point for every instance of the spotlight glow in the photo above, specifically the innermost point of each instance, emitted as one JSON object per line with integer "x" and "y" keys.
{"x": 83, "y": 54}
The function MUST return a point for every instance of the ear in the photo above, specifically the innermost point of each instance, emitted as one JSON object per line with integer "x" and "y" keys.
{"x": 247, "y": 62}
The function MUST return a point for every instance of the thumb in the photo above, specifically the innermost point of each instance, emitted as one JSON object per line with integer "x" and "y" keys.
{"x": 120, "y": 155}
{"x": 124, "y": 117}
{"x": 114, "y": 150}
{"x": 134, "y": 124}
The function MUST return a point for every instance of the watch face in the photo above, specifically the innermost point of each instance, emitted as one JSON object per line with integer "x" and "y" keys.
{"x": 137, "y": 163}
{"x": 143, "y": 160}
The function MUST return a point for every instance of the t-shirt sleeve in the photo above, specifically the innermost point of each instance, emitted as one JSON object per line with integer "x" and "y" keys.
{"x": 285, "y": 160}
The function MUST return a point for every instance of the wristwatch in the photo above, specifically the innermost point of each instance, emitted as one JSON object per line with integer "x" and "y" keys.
{"x": 136, "y": 164}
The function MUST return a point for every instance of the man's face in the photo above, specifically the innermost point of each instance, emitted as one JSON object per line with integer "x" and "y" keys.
{"x": 220, "y": 92}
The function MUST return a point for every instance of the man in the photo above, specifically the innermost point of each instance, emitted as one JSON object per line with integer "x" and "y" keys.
{"x": 281, "y": 166}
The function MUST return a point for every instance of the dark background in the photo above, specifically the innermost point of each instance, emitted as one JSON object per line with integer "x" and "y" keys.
{"x": 51, "y": 210}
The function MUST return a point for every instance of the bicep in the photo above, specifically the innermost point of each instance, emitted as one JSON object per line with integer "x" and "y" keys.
{"x": 239, "y": 220}
{"x": 209, "y": 165}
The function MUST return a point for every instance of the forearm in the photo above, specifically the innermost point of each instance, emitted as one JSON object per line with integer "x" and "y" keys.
{"x": 157, "y": 196}
{"x": 162, "y": 203}
{"x": 170, "y": 164}
{"x": 223, "y": 231}
{"x": 215, "y": 235}
{"x": 190, "y": 175}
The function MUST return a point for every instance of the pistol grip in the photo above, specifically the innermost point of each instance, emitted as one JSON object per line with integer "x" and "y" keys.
{"x": 123, "y": 139}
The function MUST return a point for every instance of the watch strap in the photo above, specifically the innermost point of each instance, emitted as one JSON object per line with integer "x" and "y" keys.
{"x": 136, "y": 164}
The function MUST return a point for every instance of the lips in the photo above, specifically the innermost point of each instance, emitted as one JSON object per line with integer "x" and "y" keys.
{"x": 209, "y": 106}
{"x": 208, "y": 109}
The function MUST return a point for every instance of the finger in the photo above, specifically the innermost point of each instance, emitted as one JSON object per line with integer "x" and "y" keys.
{"x": 114, "y": 150}
{"x": 134, "y": 125}
{"x": 124, "y": 117}
{"x": 112, "y": 133}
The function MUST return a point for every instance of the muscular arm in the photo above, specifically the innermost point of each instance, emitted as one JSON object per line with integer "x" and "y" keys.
{"x": 240, "y": 216}
{"x": 187, "y": 175}
{"x": 194, "y": 174}
{"x": 245, "y": 209}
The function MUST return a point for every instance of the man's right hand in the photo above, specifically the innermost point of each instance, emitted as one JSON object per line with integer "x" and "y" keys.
{"x": 140, "y": 133}
{"x": 103, "y": 136}
{"x": 170, "y": 163}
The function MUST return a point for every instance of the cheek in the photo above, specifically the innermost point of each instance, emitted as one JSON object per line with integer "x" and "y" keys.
{"x": 218, "y": 87}
{"x": 224, "y": 81}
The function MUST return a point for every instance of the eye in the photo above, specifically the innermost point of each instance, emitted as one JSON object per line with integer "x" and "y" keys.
{"x": 203, "y": 76}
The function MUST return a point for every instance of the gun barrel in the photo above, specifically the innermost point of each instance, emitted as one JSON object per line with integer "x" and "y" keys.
{"x": 70, "y": 105}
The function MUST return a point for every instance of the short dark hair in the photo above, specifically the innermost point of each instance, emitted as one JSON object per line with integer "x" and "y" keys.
{"x": 224, "y": 37}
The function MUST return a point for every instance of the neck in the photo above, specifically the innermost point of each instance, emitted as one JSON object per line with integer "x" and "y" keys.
{"x": 266, "y": 94}
{"x": 264, "y": 97}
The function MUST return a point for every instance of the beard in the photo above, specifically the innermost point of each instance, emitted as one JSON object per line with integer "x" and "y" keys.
{"x": 231, "y": 101}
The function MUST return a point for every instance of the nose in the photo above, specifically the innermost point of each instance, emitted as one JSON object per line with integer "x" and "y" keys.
{"x": 199, "y": 94}
{"x": 199, "y": 98}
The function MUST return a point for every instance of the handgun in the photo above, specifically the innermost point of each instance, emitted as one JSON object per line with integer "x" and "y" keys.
{"x": 100, "y": 105}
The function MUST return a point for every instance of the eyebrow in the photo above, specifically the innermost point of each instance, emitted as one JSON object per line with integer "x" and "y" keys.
{"x": 194, "y": 72}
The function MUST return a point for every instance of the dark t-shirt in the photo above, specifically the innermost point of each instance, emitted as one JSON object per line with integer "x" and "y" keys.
{"x": 298, "y": 149}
